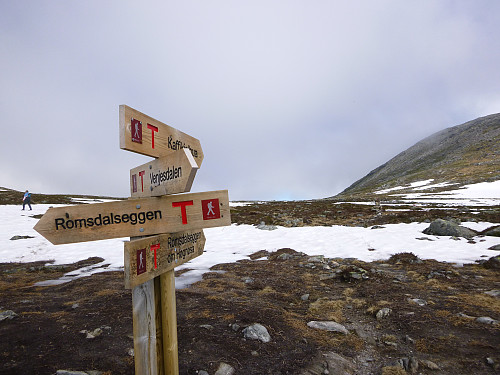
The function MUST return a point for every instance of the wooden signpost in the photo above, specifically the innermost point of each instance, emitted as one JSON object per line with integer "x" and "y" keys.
{"x": 166, "y": 175}
{"x": 135, "y": 217}
{"x": 149, "y": 257}
{"x": 166, "y": 230}
{"x": 145, "y": 135}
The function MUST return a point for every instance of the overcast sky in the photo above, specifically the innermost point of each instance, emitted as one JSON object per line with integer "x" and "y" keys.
{"x": 289, "y": 99}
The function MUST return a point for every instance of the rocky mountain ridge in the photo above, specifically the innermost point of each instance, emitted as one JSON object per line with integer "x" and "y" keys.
{"x": 463, "y": 154}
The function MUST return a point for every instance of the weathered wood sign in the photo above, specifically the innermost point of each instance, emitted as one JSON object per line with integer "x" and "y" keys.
{"x": 148, "y": 257}
{"x": 135, "y": 217}
{"x": 145, "y": 135}
{"x": 170, "y": 228}
{"x": 170, "y": 174}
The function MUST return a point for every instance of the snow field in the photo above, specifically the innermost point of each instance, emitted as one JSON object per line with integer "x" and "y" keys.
{"x": 229, "y": 244}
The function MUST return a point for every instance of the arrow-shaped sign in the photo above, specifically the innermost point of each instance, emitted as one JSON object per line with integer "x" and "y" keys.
{"x": 135, "y": 217}
{"x": 170, "y": 174}
{"x": 148, "y": 257}
{"x": 145, "y": 135}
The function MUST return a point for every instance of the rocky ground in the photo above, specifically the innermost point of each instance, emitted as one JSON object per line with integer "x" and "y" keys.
{"x": 397, "y": 316}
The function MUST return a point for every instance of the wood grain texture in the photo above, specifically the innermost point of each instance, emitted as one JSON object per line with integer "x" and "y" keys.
{"x": 166, "y": 139}
{"x": 169, "y": 323}
{"x": 137, "y": 217}
{"x": 147, "y": 329}
{"x": 170, "y": 174}
{"x": 171, "y": 250}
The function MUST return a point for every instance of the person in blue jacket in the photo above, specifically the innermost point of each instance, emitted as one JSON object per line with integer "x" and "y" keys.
{"x": 27, "y": 199}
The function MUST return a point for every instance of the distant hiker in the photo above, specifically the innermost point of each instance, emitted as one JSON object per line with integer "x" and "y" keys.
{"x": 27, "y": 199}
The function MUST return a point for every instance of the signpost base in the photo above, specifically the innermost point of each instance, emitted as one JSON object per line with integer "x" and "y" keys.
{"x": 146, "y": 312}
{"x": 169, "y": 323}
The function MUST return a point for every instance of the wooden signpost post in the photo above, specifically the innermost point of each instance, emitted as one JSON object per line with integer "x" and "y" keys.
{"x": 166, "y": 230}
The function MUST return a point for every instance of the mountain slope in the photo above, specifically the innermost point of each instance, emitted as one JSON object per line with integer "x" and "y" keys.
{"x": 463, "y": 154}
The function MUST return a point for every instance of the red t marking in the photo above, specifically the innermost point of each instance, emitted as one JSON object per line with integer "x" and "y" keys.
{"x": 183, "y": 205}
{"x": 154, "y": 248}
{"x": 141, "y": 173}
{"x": 153, "y": 130}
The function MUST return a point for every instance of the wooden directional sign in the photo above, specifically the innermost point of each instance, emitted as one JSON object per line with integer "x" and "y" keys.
{"x": 170, "y": 174}
{"x": 145, "y": 135}
{"x": 152, "y": 256}
{"x": 135, "y": 217}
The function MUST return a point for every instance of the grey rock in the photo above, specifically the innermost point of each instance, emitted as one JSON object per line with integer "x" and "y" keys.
{"x": 263, "y": 226}
{"x": 429, "y": 364}
{"x": 424, "y": 239}
{"x": 257, "y": 332}
{"x": 92, "y": 334}
{"x": 495, "y": 232}
{"x": 225, "y": 369}
{"x": 409, "y": 364}
{"x": 316, "y": 259}
{"x": 285, "y": 256}
{"x": 409, "y": 340}
{"x": 305, "y": 297}
{"x": 329, "y": 276}
{"x": 235, "y": 327}
{"x": 490, "y": 361}
{"x": 329, "y": 326}
{"x": 69, "y": 372}
{"x": 493, "y": 293}
{"x": 441, "y": 227}
{"x": 494, "y": 247}
{"x": 14, "y": 238}
{"x": 417, "y": 301}
{"x": 383, "y": 313}
{"x": 207, "y": 326}
{"x": 7, "y": 314}
{"x": 248, "y": 280}
{"x": 492, "y": 263}
{"x": 330, "y": 363}
{"x": 486, "y": 320}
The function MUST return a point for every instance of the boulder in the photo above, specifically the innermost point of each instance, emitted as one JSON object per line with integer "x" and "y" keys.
{"x": 7, "y": 314}
{"x": 441, "y": 227}
{"x": 257, "y": 332}
{"x": 493, "y": 263}
{"x": 328, "y": 326}
{"x": 495, "y": 231}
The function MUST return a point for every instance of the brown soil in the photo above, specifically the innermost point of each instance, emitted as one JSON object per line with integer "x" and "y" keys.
{"x": 46, "y": 335}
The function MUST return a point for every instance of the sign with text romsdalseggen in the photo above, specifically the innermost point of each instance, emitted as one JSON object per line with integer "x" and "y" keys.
{"x": 151, "y": 256}
{"x": 135, "y": 217}
{"x": 170, "y": 174}
{"x": 143, "y": 134}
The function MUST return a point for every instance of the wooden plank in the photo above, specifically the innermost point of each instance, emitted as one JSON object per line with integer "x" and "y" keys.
{"x": 135, "y": 217}
{"x": 143, "y": 134}
{"x": 149, "y": 257}
{"x": 146, "y": 313}
{"x": 169, "y": 323}
{"x": 170, "y": 174}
